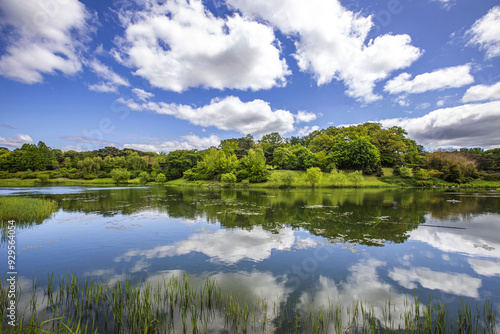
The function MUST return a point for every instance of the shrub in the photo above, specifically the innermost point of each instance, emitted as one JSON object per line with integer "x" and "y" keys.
{"x": 426, "y": 184}
{"x": 405, "y": 172}
{"x": 89, "y": 176}
{"x": 241, "y": 175}
{"x": 228, "y": 178}
{"x": 422, "y": 174}
{"x": 161, "y": 178}
{"x": 103, "y": 175}
{"x": 43, "y": 179}
{"x": 454, "y": 166}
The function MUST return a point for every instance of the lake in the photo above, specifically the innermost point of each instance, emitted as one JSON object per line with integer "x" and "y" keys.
{"x": 307, "y": 247}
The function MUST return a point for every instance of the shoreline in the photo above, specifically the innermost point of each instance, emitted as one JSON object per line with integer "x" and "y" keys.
{"x": 478, "y": 184}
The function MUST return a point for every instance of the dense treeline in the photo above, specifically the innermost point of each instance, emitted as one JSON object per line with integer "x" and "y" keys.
{"x": 367, "y": 148}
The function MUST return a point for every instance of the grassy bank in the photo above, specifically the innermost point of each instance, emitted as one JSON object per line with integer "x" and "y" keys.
{"x": 327, "y": 181}
{"x": 387, "y": 181}
{"x": 177, "y": 305}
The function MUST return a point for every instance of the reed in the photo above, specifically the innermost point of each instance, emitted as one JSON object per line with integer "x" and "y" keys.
{"x": 26, "y": 210}
{"x": 72, "y": 304}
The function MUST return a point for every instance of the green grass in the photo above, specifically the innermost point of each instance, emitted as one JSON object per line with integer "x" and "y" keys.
{"x": 299, "y": 182}
{"x": 481, "y": 184}
{"x": 177, "y": 305}
{"x": 26, "y": 210}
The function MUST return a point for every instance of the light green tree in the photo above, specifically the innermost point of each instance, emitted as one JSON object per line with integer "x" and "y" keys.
{"x": 313, "y": 175}
{"x": 161, "y": 178}
{"x": 228, "y": 178}
{"x": 144, "y": 177}
{"x": 338, "y": 178}
{"x": 120, "y": 175}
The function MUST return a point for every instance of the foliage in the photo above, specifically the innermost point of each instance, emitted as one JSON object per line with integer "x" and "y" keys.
{"x": 44, "y": 178}
{"x": 355, "y": 154}
{"x": 367, "y": 147}
{"x": 313, "y": 175}
{"x": 404, "y": 172}
{"x": 228, "y": 178}
{"x": 144, "y": 177}
{"x": 177, "y": 162}
{"x": 161, "y": 178}
{"x": 357, "y": 179}
{"x": 120, "y": 175}
{"x": 422, "y": 174}
{"x": 254, "y": 164}
{"x": 281, "y": 156}
{"x": 338, "y": 178}
{"x": 285, "y": 178}
{"x": 454, "y": 166}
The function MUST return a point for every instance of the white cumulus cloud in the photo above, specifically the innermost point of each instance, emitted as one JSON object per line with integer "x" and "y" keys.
{"x": 307, "y": 130}
{"x": 109, "y": 79}
{"x": 16, "y": 141}
{"x": 331, "y": 42}
{"x": 485, "y": 33}
{"x": 450, "y": 77}
{"x": 230, "y": 113}
{"x": 304, "y": 116}
{"x": 142, "y": 94}
{"x": 42, "y": 38}
{"x": 180, "y": 44}
{"x": 454, "y": 283}
{"x": 228, "y": 246}
{"x": 482, "y": 93}
{"x": 485, "y": 267}
{"x": 469, "y": 125}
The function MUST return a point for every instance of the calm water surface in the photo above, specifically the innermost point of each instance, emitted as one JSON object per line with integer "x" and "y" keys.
{"x": 310, "y": 246}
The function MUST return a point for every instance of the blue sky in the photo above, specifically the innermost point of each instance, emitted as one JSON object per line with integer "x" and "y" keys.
{"x": 179, "y": 74}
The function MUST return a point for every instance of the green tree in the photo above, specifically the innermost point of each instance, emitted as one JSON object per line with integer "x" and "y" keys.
{"x": 228, "y": 178}
{"x": 357, "y": 179}
{"x": 338, "y": 178}
{"x": 281, "y": 156}
{"x": 313, "y": 175}
{"x": 120, "y": 175}
{"x": 363, "y": 155}
{"x": 144, "y": 177}
{"x": 287, "y": 178}
{"x": 269, "y": 143}
{"x": 255, "y": 165}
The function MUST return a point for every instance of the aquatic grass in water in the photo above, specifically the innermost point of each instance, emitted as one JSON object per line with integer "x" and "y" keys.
{"x": 26, "y": 210}
{"x": 176, "y": 305}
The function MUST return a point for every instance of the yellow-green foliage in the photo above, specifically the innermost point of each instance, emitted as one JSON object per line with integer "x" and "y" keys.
{"x": 27, "y": 210}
